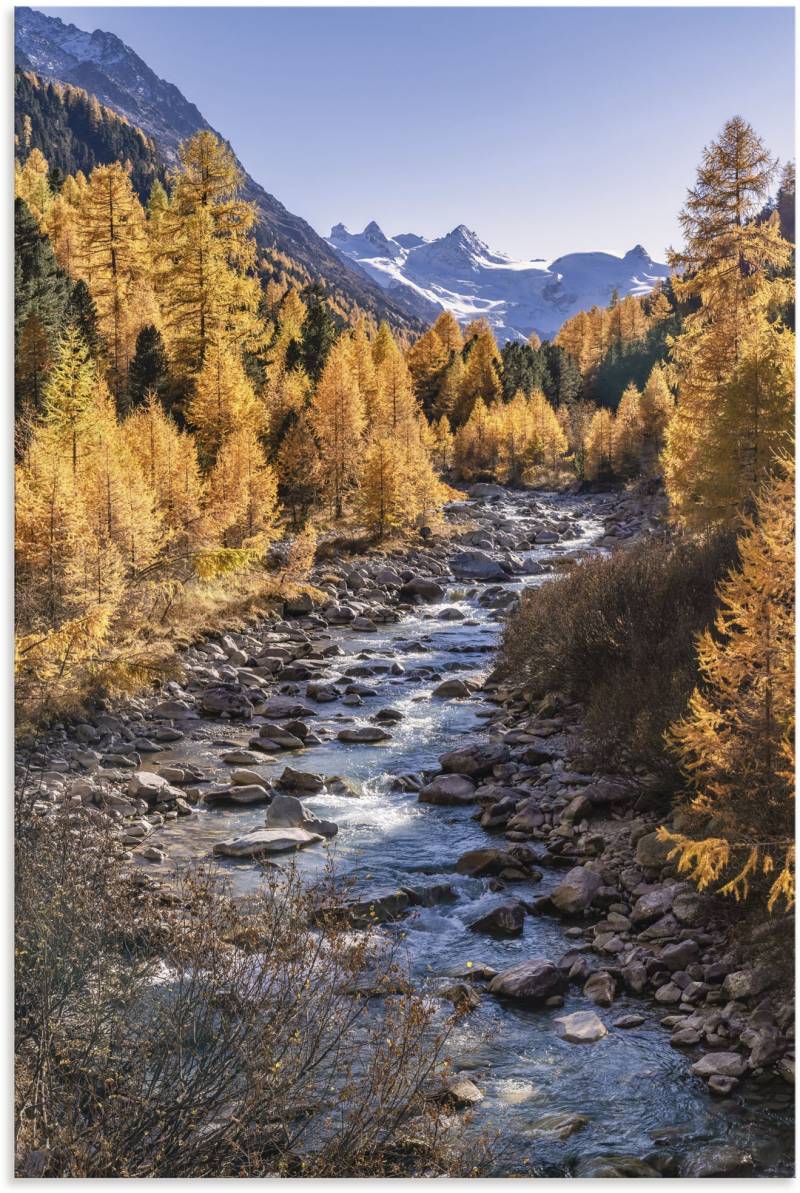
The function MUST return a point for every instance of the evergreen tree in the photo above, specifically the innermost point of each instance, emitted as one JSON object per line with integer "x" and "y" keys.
{"x": 149, "y": 371}
{"x": 41, "y": 295}
{"x": 298, "y": 468}
{"x": 319, "y": 333}
{"x": 82, "y": 311}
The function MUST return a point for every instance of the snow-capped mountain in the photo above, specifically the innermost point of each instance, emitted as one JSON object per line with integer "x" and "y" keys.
{"x": 103, "y": 65}
{"x": 459, "y": 273}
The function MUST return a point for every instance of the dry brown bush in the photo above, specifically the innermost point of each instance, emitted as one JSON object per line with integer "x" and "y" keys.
{"x": 185, "y": 1033}
{"x": 618, "y": 634}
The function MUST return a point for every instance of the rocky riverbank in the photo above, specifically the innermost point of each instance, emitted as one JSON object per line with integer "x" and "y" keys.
{"x": 633, "y": 930}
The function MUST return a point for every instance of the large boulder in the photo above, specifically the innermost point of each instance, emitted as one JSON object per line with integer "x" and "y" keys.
{"x": 378, "y": 906}
{"x": 507, "y": 919}
{"x": 286, "y": 811}
{"x": 728, "y": 1064}
{"x": 652, "y": 905}
{"x": 226, "y": 699}
{"x": 301, "y": 780}
{"x": 475, "y": 761}
{"x": 263, "y": 841}
{"x": 651, "y": 852}
{"x": 448, "y": 789}
{"x": 582, "y": 1027}
{"x": 421, "y": 586}
{"x": 530, "y": 981}
{"x": 477, "y": 565}
{"x": 483, "y": 862}
{"x": 576, "y": 891}
{"x": 452, "y": 689}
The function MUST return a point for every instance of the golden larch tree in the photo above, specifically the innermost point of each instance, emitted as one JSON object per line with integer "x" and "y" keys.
{"x": 736, "y": 744}
{"x": 337, "y": 415}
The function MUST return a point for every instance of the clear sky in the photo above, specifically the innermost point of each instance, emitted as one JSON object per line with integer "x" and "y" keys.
{"x": 546, "y": 130}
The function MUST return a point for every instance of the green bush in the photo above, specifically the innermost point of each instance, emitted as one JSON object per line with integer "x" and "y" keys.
{"x": 618, "y": 635}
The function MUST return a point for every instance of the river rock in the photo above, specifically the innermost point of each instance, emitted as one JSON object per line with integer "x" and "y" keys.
{"x": 475, "y": 761}
{"x": 581, "y": 1027}
{"x": 558, "y": 1126}
{"x": 452, "y": 689}
{"x": 530, "y": 981}
{"x": 380, "y": 905}
{"x": 240, "y": 758}
{"x": 460, "y": 1091}
{"x": 719, "y": 1160}
{"x": 302, "y": 780}
{"x": 651, "y": 852}
{"x": 747, "y": 983}
{"x": 265, "y": 841}
{"x": 365, "y": 734}
{"x": 421, "y": 586}
{"x": 727, "y": 1064}
{"x": 245, "y": 778}
{"x": 613, "y": 1166}
{"x": 248, "y": 793}
{"x": 448, "y": 789}
{"x": 286, "y": 811}
{"x": 575, "y": 892}
{"x": 652, "y": 905}
{"x": 507, "y": 919}
{"x": 226, "y": 699}
{"x": 482, "y": 862}
{"x": 601, "y": 988}
{"x": 282, "y": 738}
{"x": 477, "y": 565}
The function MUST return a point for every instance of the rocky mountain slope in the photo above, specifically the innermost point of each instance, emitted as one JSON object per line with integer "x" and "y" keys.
{"x": 458, "y": 272}
{"x": 103, "y": 65}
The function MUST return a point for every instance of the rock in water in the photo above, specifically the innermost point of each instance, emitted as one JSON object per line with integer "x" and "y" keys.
{"x": 582, "y": 1027}
{"x": 530, "y": 981}
{"x": 263, "y": 841}
{"x": 366, "y": 734}
{"x": 507, "y": 919}
{"x": 448, "y": 789}
{"x": 477, "y": 565}
{"x": 286, "y": 811}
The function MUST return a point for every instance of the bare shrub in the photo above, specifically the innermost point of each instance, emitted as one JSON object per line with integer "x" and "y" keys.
{"x": 181, "y": 1032}
{"x": 618, "y": 634}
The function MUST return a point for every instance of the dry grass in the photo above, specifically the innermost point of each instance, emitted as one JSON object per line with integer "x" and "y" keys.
{"x": 618, "y": 634}
{"x": 182, "y": 1034}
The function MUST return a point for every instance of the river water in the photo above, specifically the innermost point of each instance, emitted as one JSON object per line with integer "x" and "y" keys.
{"x": 633, "y": 1089}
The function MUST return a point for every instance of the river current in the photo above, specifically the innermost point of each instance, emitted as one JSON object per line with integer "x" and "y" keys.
{"x": 633, "y": 1090}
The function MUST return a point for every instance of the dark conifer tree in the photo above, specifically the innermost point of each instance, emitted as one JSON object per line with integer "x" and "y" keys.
{"x": 149, "y": 370}
{"x": 319, "y": 334}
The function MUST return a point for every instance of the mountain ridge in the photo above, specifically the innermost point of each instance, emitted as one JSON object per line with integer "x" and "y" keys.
{"x": 460, "y": 273}
{"x": 102, "y": 64}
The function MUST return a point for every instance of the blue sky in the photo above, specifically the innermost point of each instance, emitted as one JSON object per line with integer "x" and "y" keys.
{"x": 546, "y": 130}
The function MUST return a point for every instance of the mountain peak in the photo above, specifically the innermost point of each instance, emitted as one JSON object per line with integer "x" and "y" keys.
{"x": 374, "y": 229}
{"x": 638, "y": 251}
